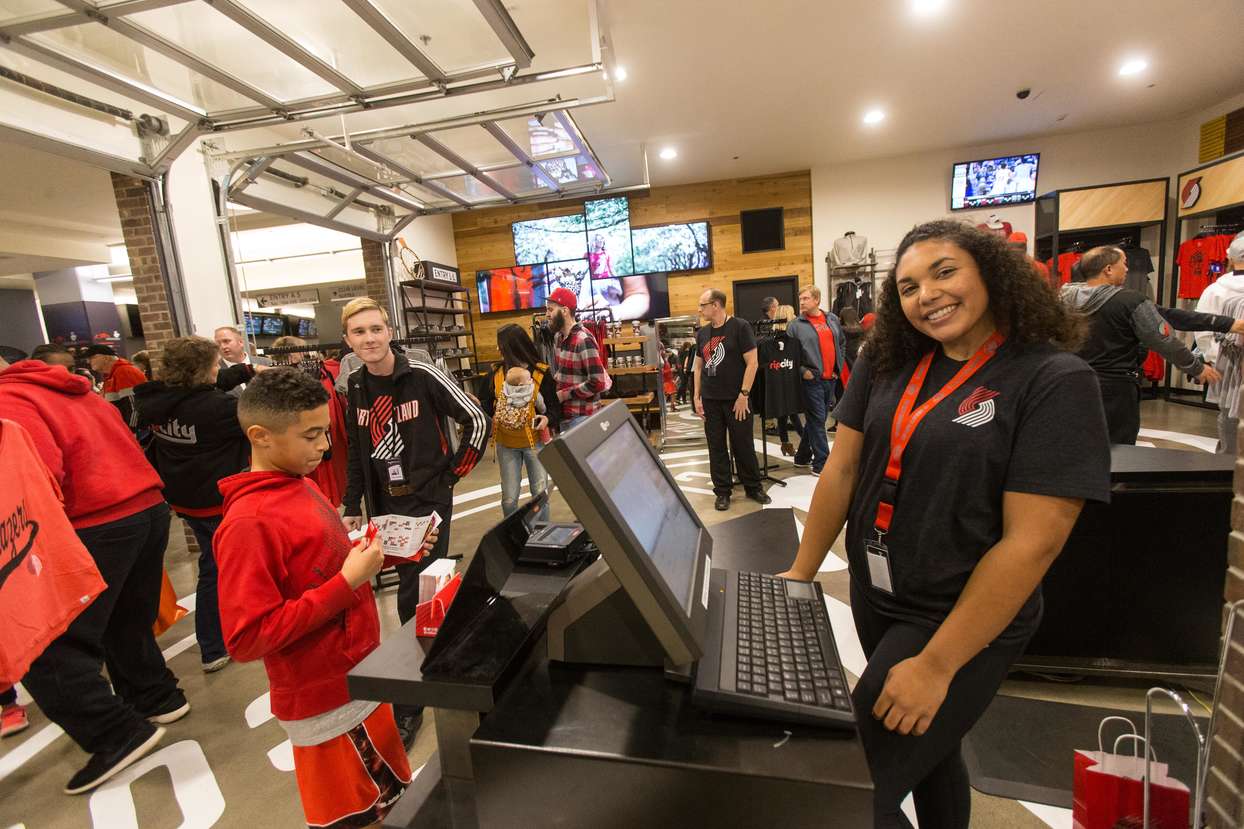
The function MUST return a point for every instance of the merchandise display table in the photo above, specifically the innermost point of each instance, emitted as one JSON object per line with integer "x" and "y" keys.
{"x": 1138, "y": 588}
{"x": 577, "y": 745}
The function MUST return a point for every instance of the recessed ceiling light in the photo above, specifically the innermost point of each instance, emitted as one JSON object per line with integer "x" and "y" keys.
{"x": 1133, "y": 67}
{"x": 874, "y": 116}
{"x": 619, "y": 73}
{"x": 669, "y": 153}
{"x": 927, "y": 8}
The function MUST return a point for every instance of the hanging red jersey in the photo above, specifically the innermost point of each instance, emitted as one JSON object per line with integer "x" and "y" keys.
{"x": 1196, "y": 260}
{"x": 1063, "y": 267}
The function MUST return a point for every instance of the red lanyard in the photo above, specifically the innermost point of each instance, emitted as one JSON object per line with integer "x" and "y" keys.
{"x": 906, "y": 421}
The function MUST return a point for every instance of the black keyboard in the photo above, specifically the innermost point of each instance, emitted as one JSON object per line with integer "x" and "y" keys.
{"x": 783, "y": 649}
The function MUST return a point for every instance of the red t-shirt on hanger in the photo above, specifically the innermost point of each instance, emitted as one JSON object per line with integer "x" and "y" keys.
{"x": 1194, "y": 260}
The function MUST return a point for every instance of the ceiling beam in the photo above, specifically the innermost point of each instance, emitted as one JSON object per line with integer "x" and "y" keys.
{"x": 287, "y": 46}
{"x": 580, "y": 142}
{"x": 383, "y": 26}
{"x": 61, "y": 20}
{"x": 332, "y": 171}
{"x": 506, "y": 30}
{"x": 368, "y": 136}
{"x": 368, "y": 152}
{"x": 171, "y": 50}
{"x": 471, "y": 170}
{"x": 256, "y": 203}
{"x": 345, "y": 202}
{"x": 503, "y": 138}
{"x": 102, "y": 76}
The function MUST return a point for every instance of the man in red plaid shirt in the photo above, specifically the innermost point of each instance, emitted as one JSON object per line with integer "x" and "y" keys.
{"x": 578, "y": 367}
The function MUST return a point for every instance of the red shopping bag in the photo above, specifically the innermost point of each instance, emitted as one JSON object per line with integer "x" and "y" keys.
{"x": 1108, "y": 789}
{"x": 47, "y": 577}
{"x": 430, "y": 615}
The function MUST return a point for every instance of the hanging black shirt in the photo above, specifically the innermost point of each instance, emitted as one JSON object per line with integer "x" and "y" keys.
{"x": 721, "y": 352}
{"x": 782, "y": 387}
{"x": 1030, "y": 420}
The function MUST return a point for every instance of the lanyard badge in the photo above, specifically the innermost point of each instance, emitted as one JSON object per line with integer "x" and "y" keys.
{"x": 901, "y": 431}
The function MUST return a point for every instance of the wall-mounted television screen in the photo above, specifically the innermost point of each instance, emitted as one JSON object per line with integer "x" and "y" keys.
{"x": 555, "y": 239}
{"x": 523, "y": 288}
{"x": 675, "y": 247}
{"x": 994, "y": 182}
{"x": 254, "y": 324}
{"x": 306, "y": 328}
{"x": 273, "y": 326}
{"x": 609, "y": 237}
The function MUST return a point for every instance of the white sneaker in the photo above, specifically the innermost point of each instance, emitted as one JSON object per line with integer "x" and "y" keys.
{"x": 216, "y": 664}
{"x": 170, "y": 716}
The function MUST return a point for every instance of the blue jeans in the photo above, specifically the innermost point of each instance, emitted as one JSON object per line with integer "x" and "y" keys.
{"x": 207, "y": 605}
{"x": 814, "y": 445}
{"x": 572, "y": 422}
{"x": 512, "y": 462}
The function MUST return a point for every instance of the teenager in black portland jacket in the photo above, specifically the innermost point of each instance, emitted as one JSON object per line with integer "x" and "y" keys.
{"x": 399, "y": 453}
{"x": 196, "y": 442}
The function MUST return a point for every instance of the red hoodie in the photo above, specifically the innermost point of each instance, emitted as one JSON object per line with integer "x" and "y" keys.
{"x": 279, "y": 553}
{"x": 82, "y": 440}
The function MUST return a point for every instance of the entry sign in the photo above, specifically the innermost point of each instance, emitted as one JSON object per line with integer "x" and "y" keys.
{"x": 443, "y": 273}
{"x": 305, "y": 296}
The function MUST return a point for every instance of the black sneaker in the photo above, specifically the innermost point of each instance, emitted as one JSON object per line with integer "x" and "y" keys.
{"x": 105, "y": 764}
{"x": 408, "y": 728}
{"x": 170, "y": 714}
{"x": 722, "y": 503}
{"x": 760, "y": 497}
{"x": 802, "y": 464}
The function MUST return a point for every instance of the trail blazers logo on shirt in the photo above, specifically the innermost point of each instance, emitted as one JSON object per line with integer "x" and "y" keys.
{"x": 386, "y": 440}
{"x": 977, "y": 409}
{"x": 714, "y": 352}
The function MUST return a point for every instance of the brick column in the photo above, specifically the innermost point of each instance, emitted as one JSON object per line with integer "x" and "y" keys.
{"x": 135, "y": 209}
{"x": 1224, "y": 790}
{"x": 134, "y": 206}
{"x": 373, "y": 271}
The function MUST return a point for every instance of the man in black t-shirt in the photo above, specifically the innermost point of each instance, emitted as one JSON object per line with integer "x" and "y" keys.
{"x": 725, "y": 369}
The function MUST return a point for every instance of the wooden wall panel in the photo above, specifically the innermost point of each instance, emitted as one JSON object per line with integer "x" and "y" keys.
{"x": 483, "y": 239}
{"x": 1118, "y": 205}
{"x": 1222, "y": 185}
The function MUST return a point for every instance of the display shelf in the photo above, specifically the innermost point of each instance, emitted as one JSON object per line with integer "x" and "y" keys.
{"x": 639, "y": 400}
{"x": 434, "y": 285}
{"x": 633, "y": 370}
{"x": 435, "y": 309}
{"x": 625, "y": 340}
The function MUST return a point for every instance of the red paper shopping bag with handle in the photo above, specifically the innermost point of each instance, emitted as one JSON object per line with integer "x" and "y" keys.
{"x": 47, "y": 577}
{"x": 1108, "y": 788}
{"x": 430, "y": 615}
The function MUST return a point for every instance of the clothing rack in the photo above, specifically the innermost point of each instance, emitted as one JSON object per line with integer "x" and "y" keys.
{"x": 763, "y": 328}
{"x": 1211, "y": 201}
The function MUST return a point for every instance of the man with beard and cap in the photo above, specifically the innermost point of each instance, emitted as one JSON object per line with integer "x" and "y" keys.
{"x": 578, "y": 366}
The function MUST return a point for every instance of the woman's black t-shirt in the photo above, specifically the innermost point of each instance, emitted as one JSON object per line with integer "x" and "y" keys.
{"x": 1030, "y": 420}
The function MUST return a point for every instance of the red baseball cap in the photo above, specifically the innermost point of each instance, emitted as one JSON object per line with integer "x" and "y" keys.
{"x": 565, "y": 298}
{"x": 866, "y": 321}
{"x": 1018, "y": 238}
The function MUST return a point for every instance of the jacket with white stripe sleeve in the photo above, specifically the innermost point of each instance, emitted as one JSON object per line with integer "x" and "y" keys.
{"x": 424, "y": 398}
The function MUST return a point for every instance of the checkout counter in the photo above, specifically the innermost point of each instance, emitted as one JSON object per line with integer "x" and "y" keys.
{"x": 1138, "y": 589}
{"x": 525, "y": 741}
{"x": 522, "y": 741}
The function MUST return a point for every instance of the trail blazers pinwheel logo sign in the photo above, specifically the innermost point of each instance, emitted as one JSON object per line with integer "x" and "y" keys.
{"x": 977, "y": 409}
{"x": 1191, "y": 193}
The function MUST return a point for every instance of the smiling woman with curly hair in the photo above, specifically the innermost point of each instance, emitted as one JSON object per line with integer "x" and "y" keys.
{"x": 1020, "y": 302}
{"x": 968, "y": 439}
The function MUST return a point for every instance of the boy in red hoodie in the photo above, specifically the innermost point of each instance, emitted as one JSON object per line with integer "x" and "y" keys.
{"x": 294, "y": 592}
{"x": 113, "y": 500}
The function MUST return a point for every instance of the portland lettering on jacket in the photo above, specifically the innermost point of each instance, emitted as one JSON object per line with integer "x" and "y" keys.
{"x": 175, "y": 432}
